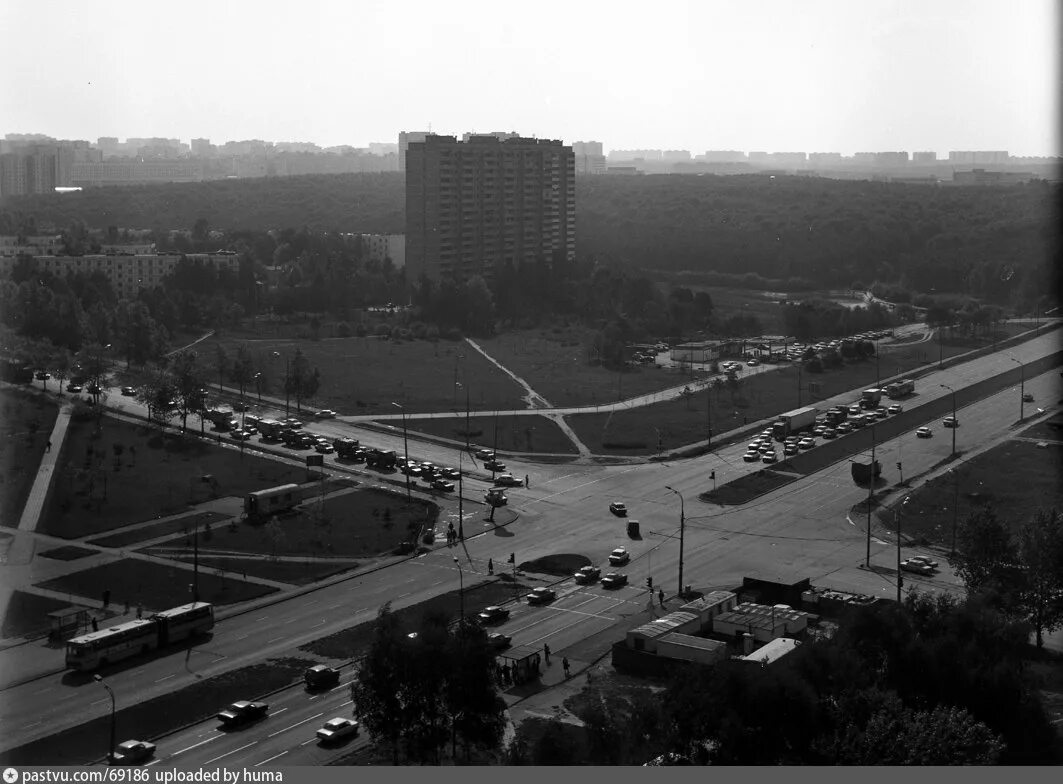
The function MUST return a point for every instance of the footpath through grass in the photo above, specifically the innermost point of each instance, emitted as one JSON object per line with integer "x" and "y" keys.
{"x": 514, "y": 433}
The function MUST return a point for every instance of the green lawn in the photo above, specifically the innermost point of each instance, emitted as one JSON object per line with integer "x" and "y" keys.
{"x": 1017, "y": 478}
{"x": 294, "y": 572}
{"x": 184, "y": 524}
{"x": 27, "y": 420}
{"x": 157, "y": 474}
{"x": 156, "y": 587}
{"x": 366, "y": 375}
{"x": 515, "y": 433}
{"x": 26, "y": 614}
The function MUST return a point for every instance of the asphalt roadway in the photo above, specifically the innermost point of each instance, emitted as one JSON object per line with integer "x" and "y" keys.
{"x": 799, "y": 530}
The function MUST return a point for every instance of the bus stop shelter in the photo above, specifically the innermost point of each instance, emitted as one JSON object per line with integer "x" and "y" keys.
{"x": 66, "y": 623}
{"x": 524, "y": 661}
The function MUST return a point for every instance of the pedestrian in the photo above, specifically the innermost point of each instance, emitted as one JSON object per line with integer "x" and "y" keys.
{"x": 95, "y": 626}
{"x": 526, "y": 482}
{"x": 660, "y": 596}
{"x": 564, "y": 665}
{"x": 48, "y": 447}
{"x": 490, "y": 566}
{"x": 140, "y": 611}
{"x": 546, "y": 652}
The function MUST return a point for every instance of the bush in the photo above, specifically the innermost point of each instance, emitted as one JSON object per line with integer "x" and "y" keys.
{"x": 343, "y": 330}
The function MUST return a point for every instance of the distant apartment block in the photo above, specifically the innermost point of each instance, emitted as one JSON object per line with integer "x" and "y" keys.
{"x": 31, "y": 246}
{"x": 673, "y": 156}
{"x": 379, "y": 247}
{"x": 127, "y": 273}
{"x": 824, "y": 159}
{"x": 89, "y": 175}
{"x": 978, "y": 157}
{"x": 35, "y": 168}
{"x": 983, "y": 177}
{"x": 405, "y": 139}
{"x": 924, "y": 157}
{"x": 473, "y": 206}
{"x": 588, "y": 158}
{"x": 722, "y": 156}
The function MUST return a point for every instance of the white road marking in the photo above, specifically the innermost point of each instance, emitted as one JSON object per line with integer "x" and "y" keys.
{"x": 263, "y": 762}
{"x": 274, "y": 640}
{"x": 278, "y": 712}
{"x": 226, "y": 754}
{"x": 167, "y": 677}
{"x": 346, "y": 703}
{"x": 97, "y": 702}
{"x": 405, "y": 595}
{"x": 317, "y": 624}
{"x": 243, "y": 636}
{"x": 306, "y": 742}
{"x": 304, "y": 721}
{"x": 189, "y": 748}
{"x": 264, "y": 617}
{"x": 153, "y": 762}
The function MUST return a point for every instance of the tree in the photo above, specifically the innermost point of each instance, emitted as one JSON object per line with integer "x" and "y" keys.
{"x": 158, "y": 393}
{"x": 188, "y": 380}
{"x": 477, "y": 713}
{"x": 62, "y": 362}
{"x": 243, "y": 370}
{"x": 986, "y": 558}
{"x": 1040, "y": 551}
{"x": 221, "y": 363}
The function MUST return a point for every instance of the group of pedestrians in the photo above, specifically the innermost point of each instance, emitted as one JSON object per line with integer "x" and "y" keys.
{"x": 452, "y": 536}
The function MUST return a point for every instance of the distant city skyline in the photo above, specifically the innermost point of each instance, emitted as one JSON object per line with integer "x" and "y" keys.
{"x": 815, "y": 76}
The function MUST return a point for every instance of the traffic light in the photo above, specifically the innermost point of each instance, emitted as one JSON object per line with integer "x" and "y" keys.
{"x": 512, "y": 558}
{"x": 712, "y": 475}
{"x": 649, "y": 583}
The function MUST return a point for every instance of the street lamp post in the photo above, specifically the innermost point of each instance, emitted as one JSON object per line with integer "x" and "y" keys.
{"x": 955, "y": 508}
{"x": 461, "y": 588}
{"x": 1022, "y": 388}
{"x": 110, "y": 749}
{"x": 258, "y": 385}
{"x": 405, "y": 449}
{"x": 870, "y": 496}
{"x": 682, "y": 528}
{"x": 955, "y": 422}
{"x": 897, "y": 521}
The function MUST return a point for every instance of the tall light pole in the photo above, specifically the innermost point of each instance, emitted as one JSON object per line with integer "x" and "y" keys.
{"x": 405, "y": 449}
{"x": 955, "y": 508}
{"x": 1022, "y": 388}
{"x": 110, "y": 749}
{"x": 461, "y": 499}
{"x": 287, "y": 384}
{"x": 955, "y": 422}
{"x": 897, "y": 522}
{"x": 461, "y": 588}
{"x": 258, "y": 385}
{"x": 682, "y": 528}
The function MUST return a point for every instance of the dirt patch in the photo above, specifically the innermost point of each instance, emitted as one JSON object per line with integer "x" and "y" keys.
{"x": 155, "y": 587}
{"x": 562, "y": 565}
{"x": 67, "y": 553}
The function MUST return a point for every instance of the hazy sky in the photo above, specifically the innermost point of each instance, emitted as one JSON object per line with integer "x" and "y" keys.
{"x": 806, "y": 75}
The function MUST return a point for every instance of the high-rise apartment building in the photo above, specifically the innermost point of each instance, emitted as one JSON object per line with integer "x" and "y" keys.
{"x": 405, "y": 139}
{"x": 35, "y": 168}
{"x": 475, "y": 205}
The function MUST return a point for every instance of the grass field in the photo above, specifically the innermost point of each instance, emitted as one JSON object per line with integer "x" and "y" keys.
{"x": 296, "y": 572}
{"x": 142, "y": 533}
{"x": 515, "y": 433}
{"x": 27, "y": 420}
{"x": 156, "y": 587}
{"x": 26, "y": 614}
{"x": 68, "y": 553}
{"x": 366, "y": 375}
{"x": 1017, "y": 478}
{"x": 156, "y": 474}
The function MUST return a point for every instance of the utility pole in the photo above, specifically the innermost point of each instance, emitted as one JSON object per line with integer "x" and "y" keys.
{"x": 461, "y": 588}
{"x": 870, "y": 492}
{"x": 708, "y": 412}
{"x": 682, "y": 528}
{"x": 461, "y": 508}
{"x": 955, "y": 508}
{"x": 955, "y": 422}
{"x": 110, "y": 751}
{"x": 405, "y": 449}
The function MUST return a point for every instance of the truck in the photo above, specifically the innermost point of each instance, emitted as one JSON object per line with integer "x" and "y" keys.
{"x": 792, "y": 421}
{"x": 870, "y": 398}
{"x": 345, "y": 448}
{"x": 381, "y": 459}
{"x": 271, "y": 429}
{"x": 862, "y": 472}
{"x": 220, "y": 419}
{"x": 837, "y": 415}
{"x": 900, "y": 388}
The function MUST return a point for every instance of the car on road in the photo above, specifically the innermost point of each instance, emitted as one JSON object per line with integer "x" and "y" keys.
{"x": 767, "y": 449}
{"x": 242, "y": 712}
{"x": 755, "y": 445}
{"x": 844, "y": 427}
{"x": 326, "y": 413}
{"x": 855, "y": 409}
{"x": 40, "y": 375}
{"x": 240, "y": 435}
{"x": 321, "y": 676}
{"x": 790, "y": 449}
{"x": 293, "y": 423}
{"x": 126, "y": 391}
{"x": 916, "y": 567}
{"x": 443, "y": 485}
{"x": 450, "y": 473}
{"x": 881, "y": 413}
{"x": 619, "y": 557}
{"x": 924, "y": 559}
{"x": 494, "y": 465}
{"x": 924, "y": 432}
{"x": 769, "y": 457}
{"x": 484, "y": 454}
{"x": 337, "y": 729}
{"x": 324, "y": 447}
{"x": 614, "y": 580}
{"x": 508, "y": 480}
{"x": 240, "y": 405}
{"x": 499, "y": 641}
{"x": 819, "y": 430}
{"x": 410, "y": 469}
{"x": 950, "y": 421}
{"x": 587, "y": 575}
{"x": 752, "y": 363}
{"x": 496, "y": 496}
{"x": 751, "y": 456}
{"x": 1027, "y": 397}
{"x": 806, "y": 443}
{"x": 72, "y": 387}
{"x": 830, "y": 432}
{"x": 541, "y": 596}
{"x": 618, "y": 508}
{"x": 130, "y": 752}
{"x": 896, "y": 408}
{"x": 493, "y": 614}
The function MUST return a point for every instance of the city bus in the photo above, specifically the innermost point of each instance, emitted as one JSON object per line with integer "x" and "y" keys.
{"x": 133, "y": 638}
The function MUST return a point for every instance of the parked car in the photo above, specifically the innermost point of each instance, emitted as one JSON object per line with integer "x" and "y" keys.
{"x": 130, "y": 752}
{"x": 326, "y": 413}
{"x": 924, "y": 432}
{"x": 450, "y": 473}
{"x": 619, "y": 557}
{"x": 242, "y": 712}
{"x": 541, "y": 596}
{"x": 493, "y": 614}
{"x": 410, "y": 469}
{"x": 508, "y": 480}
{"x": 240, "y": 435}
{"x": 499, "y": 641}
{"x": 587, "y": 575}
{"x": 896, "y": 408}
{"x": 790, "y": 449}
{"x": 1027, "y": 397}
{"x": 924, "y": 559}
{"x": 619, "y": 509}
{"x": 321, "y": 676}
{"x": 950, "y": 421}
{"x": 751, "y": 456}
{"x": 769, "y": 457}
{"x": 443, "y": 485}
{"x": 614, "y": 580}
{"x": 337, "y": 729}
{"x": 324, "y": 447}
{"x": 494, "y": 465}
{"x": 806, "y": 443}
{"x": 72, "y": 387}
{"x": 484, "y": 454}
{"x": 916, "y": 567}
{"x": 752, "y": 363}
{"x": 830, "y": 433}
{"x": 126, "y": 391}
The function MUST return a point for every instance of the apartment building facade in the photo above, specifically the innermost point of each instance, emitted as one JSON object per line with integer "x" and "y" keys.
{"x": 475, "y": 205}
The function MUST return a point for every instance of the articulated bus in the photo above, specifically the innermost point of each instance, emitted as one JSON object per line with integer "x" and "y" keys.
{"x": 98, "y": 649}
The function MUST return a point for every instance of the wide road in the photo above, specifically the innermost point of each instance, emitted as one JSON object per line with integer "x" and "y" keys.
{"x": 800, "y": 528}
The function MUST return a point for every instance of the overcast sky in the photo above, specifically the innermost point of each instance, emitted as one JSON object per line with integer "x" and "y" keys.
{"x": 806, "y": 75}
